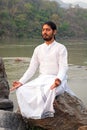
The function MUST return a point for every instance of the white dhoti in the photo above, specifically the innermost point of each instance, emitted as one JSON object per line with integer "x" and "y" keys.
{"x": 35, "y": 98}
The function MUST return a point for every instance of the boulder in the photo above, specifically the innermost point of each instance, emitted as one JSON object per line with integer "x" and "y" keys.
{"x": 5, "y": 103}
{"x": 83, "y": 128}
{"x": 11, "y": 121}
{"x": 70, "y": 114}
{"x": 4, "y": 128}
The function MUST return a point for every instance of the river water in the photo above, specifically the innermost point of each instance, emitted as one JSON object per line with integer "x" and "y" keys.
{"x": 17, "y": 54}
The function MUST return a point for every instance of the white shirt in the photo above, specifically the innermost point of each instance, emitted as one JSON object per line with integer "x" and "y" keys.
{"x": 51, "y": 60}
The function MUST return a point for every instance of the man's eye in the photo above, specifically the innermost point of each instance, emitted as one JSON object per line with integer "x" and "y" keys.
{"x": 48, "y": 29}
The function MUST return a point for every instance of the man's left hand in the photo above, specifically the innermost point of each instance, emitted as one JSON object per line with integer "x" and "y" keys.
{"x": 56, "y": 83}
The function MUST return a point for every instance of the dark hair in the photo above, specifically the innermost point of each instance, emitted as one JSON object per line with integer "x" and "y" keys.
{"x": 51, "y": 24}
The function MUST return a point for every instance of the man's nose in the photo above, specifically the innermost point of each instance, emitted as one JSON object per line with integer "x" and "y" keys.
{"x": 45, "y": 32}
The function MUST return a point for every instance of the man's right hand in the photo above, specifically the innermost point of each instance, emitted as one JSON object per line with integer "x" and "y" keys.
{"x": 16, "y": 84}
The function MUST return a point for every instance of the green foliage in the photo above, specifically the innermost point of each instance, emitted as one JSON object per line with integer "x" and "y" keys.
{"x": 63, "y": 28}
{"x": 23, "y": 18}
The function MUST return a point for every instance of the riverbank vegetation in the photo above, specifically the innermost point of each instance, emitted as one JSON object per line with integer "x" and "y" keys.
{"x": 23, "y": 19}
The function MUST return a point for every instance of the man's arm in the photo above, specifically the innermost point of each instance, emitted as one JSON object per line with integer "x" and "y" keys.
{"x": 63, "y": 67}
{"x": 29, "y": 73}
{"x": 31, "y": 69}
{"x": 63, "y": 64}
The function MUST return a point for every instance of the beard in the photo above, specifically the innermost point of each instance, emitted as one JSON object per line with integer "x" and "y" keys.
{"x": 47, "y": 38}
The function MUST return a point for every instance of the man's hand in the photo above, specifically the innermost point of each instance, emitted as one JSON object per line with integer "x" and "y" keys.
{"x": 56, "y": 83}
{"x": 15, "y": 85}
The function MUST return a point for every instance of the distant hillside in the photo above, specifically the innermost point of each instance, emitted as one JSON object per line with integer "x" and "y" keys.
{"x": 23, "y": 19}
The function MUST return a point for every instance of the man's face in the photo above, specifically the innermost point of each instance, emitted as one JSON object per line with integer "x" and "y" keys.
{"x": 48, "y": 33}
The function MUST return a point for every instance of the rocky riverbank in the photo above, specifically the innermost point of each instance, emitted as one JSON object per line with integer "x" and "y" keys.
{"x": 70, "y": 112}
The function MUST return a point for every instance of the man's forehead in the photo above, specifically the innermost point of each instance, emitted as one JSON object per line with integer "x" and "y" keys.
{"x": 46, "y": 26}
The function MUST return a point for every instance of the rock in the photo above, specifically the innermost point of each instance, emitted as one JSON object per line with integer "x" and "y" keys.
{"x": 4, "y": 86}
{"x": 70, "y": 114}
{"x": 11, "y": 121}
{"x": 82, "y": 128}
{"x": 4, "y": 128}
{"x": 5, "y": 103}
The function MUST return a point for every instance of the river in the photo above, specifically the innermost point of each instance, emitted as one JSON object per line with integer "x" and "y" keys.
{"x": 17, "y": 53}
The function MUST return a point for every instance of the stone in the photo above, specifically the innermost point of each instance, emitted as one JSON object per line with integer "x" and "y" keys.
{"x": 4, "y": 128}
{"x": 70, "y": 114}
{"x": 11, "y": 121}
{"x": 5, "y": 103}
{"x": 4, "y": 86}
{"x": 82, "y": 128}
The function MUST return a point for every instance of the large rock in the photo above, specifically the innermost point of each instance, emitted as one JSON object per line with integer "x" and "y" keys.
{"x": 70, "y": 114}
{"x": 11, "y": 121}
{"x": 5, "y": 103}
{"x": 83, "y": 128}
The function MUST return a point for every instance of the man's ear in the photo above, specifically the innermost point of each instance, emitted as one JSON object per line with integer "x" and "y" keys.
{"x": 55, "y": 31}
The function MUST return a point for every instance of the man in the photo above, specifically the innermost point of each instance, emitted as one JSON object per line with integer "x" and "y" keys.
{"x": 36, "y": 97}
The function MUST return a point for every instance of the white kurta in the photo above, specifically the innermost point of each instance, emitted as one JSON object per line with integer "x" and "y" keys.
{"x": 35, "y": 98}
